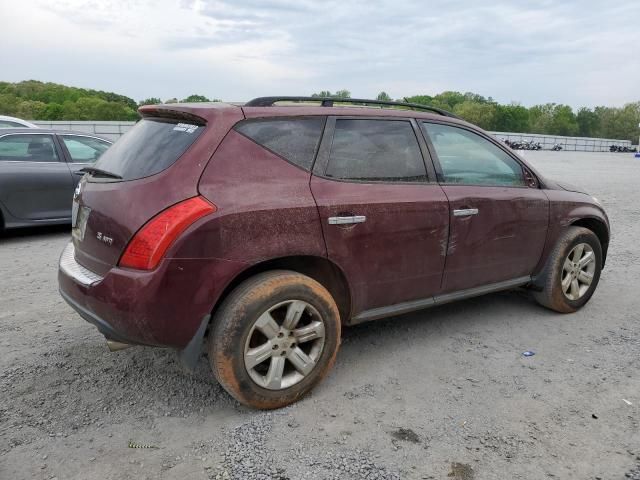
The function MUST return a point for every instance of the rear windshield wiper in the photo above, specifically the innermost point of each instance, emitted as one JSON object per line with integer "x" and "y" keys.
{"x": 98, "y": 172}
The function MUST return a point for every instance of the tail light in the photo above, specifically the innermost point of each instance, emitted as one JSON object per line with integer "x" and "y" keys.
{"x": 148, "y": 246}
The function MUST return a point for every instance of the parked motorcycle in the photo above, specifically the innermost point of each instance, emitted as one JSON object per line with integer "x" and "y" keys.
{"x": 621, "y": 149}
{"x": 556, "y": 147}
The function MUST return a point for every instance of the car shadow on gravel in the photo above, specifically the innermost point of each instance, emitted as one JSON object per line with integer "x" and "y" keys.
{"x": 474, "y": 313}
{"x": 33, "y": 232}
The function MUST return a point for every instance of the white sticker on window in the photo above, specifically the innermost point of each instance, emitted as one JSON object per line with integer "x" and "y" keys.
{"x": 185, "y": 127}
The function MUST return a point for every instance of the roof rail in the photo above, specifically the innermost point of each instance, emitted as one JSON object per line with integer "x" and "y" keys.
{"x": 329, "y": 101}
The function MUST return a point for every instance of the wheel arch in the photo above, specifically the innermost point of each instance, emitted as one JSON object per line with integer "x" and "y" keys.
{"x": 321, "y": 269}
{"x": 600, "y": 229}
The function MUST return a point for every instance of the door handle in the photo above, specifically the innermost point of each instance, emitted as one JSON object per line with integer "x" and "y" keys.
{"x": 465, "y": 212}
{"x": 347, "y": 220}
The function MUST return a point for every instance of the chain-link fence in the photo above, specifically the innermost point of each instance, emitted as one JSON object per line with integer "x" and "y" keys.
{"x": 574, "y": 144}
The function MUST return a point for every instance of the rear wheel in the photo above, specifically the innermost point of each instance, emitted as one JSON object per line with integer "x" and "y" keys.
{"x": 572, "y": 271}
{"x": 274, "y": 338}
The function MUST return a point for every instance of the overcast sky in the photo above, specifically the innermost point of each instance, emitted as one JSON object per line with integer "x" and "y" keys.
{"x": 580, "y": 52}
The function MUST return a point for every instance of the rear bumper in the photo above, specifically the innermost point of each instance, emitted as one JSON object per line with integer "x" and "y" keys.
{"x": 164, "y": 307}
{"x": 102, "y": 325}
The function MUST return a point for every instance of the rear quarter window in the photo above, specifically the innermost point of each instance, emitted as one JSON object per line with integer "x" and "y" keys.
{"x": 151, "y": 146}
{"x": 295, "y": 140}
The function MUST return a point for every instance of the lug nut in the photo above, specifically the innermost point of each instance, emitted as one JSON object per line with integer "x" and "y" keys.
{"x": 275, "y": 347}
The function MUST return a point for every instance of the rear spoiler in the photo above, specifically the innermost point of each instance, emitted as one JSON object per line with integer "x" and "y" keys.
{"x": 164, "y": 111}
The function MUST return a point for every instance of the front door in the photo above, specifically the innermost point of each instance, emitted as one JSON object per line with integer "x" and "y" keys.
{"x": 385, "y": 223}
{"x": 35, "y": 182}
{"x": 499, "y": 215}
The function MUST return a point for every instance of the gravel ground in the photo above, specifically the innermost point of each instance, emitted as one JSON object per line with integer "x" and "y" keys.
{"x": 441, "y": 394}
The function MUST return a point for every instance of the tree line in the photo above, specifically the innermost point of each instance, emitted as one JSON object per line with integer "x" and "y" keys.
{"x": 34, "y": 100}
{"x": 550, "y": 118}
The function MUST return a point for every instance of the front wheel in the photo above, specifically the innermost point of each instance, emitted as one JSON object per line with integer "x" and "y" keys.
{"x": 572, "y": 271}
{"x": 274, "y": 338}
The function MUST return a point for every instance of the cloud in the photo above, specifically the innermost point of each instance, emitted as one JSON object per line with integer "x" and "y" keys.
{"x": 575, "y": 52}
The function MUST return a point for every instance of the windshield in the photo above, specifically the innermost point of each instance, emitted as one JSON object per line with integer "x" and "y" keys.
{"x": 151, "y": 146}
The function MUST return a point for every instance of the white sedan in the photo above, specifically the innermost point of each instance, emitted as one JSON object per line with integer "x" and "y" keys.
{"x": 13, "y": 122}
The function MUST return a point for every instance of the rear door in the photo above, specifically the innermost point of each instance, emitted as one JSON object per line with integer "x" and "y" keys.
{"x": 499, "y": 215}
{"x": 384, "y": 219}
{"x": 81, "y": 151}
{"x": 35, "y": 181}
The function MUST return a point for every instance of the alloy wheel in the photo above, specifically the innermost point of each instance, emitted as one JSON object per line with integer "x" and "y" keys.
{"x": 577, "y": 271}
{"x": 284, "y": 344}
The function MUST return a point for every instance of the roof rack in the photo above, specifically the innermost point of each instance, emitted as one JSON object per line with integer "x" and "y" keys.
{"x": 329, "y": 101}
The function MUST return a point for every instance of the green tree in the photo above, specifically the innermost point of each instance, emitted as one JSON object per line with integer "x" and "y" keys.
{"x": 31, "y": 109}
{"x": 540, "y": 118}
{"x": 32, "y": 99}
{"x": 69, "y": 110}
{"x": 511, "y": 118}
{"x": 53, "y": 111}
{"x": 150, "y": 101}
{"x": 563, "y": 121}
{"x": 448, "y": 100}
{"x": 328, "y": 94}
{"x": 626, "y": 121}
{"x": 384, "y": 97}
{"x": 588, "y": 122}
{"x": 420, "y": 99}
{"x": 481, "y": 114}
{"x": 195, "y": 98}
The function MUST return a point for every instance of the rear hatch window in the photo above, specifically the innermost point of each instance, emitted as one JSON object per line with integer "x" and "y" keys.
{"x": 151, "y": 146}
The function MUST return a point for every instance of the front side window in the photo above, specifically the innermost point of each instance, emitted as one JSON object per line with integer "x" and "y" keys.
{"x": 295, "y": 140}
{"x": 467, "y": 158}
{"x": 375, "y": 150}
{"x": 84, "y": 149}
{"x": 28, "y": 148}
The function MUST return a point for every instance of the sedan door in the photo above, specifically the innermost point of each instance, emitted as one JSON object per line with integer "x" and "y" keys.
{"x": 35, "y": 182}
{"x": 385, "y": 223}
{"x": 499, "y": 216}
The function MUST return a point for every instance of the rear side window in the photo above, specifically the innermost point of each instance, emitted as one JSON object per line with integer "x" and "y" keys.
{"x": 84, "y": 149}
{"x": 375, "y": 150}
{"x": 294, "y": 139}
{"x": 151, "y": 146}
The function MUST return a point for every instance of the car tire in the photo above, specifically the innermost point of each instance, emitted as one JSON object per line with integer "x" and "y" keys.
{"x": 274, "y": 338}
{"x": 576, "y": 259}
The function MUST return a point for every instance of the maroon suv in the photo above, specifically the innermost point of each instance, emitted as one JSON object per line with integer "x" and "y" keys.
{"x": 266, "y": 228}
